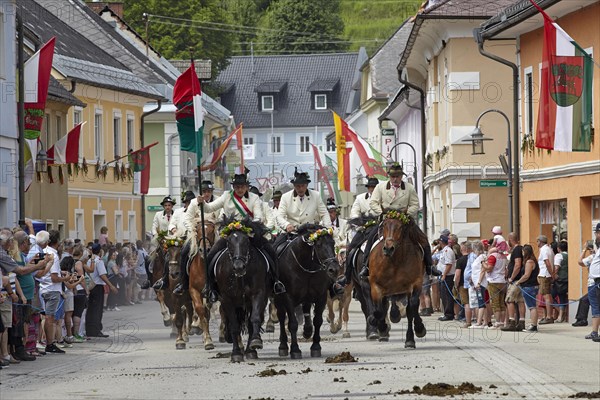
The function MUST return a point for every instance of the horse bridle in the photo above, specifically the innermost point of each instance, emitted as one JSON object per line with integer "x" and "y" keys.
{"x": 239, "y": 258}
{"x": 314, "y": 255}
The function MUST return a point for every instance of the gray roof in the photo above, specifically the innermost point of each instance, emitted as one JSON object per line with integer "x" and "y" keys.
{"x": 104, "y": 76}
{"x": 323, "y": 85}
{"x": 513, "y": 15}
{"x": 57, "y": 92}
{"x": 384, "y": 61}
{"x": 246, "y": 74}
{"x": 103, "y": 34}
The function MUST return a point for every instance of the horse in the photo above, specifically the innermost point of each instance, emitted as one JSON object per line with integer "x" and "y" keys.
{"x": 197, "y": 273}
{"x": 340, "y": 303}
{"x": 163, "y": 297}
{"x": 397, "y": 267}
{"x": 241, "y": 273}
{"x": 182, "y": 305}
{"x": 307, "y": 268}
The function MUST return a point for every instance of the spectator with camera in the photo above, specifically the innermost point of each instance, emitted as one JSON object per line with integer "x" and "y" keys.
{"x": 93, "y": 323}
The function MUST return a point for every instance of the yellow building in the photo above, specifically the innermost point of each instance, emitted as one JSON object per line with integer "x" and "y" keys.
{"x": 560, "y": 191}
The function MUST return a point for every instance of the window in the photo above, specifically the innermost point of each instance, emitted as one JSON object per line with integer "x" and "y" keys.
{"x": 528, "y": 101}
{"x": 59, "y": 131}
{"x": 117, "y": 135}
{"x": 130, "y": 133}
{"x": 320, "y": 102}
{"x": 98, "y": 135}
{"x": 304, "y": 144}
{"x": 77, "y": 116}
{"x": 248, "y": 140}
{"x": 329, "y": 145}
{"x": 276, "y": 144}
{"x": 267, "y": 103}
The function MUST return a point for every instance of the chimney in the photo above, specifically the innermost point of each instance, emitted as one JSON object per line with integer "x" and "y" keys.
{"x": 98, "y": 6}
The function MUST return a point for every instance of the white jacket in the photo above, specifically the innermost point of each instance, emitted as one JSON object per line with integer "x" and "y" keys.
{"x": 340, "y": 233}
{"x": 160, "y": 223}
{"x": 361, "y": 206}
{"x": 177, "y": 223}
{"x": 226, "y": 202}
{"x": 296, "y": 212}
{"x": 385, "y": 197}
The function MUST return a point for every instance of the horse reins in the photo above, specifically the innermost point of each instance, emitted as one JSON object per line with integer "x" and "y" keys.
{"x": 314, "y": 255}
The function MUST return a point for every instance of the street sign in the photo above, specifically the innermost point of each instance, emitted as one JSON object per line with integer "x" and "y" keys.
{"x": 154, "y": 208}
{"x": 388, "y": 132}
{"x": 487, "y": 183}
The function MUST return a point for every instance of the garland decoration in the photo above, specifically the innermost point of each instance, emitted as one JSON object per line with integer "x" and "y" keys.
{"x": 402, "y": 217}
{"x": 313, "y": 237}
{"x": 235, "y": 226}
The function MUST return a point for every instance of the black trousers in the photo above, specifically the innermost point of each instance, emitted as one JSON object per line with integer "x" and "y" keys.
{"x": 356, "y": 242}
{"x": 93, "y": 318}
{"x": 447, "y": 299}
{"x": 583, "y": 309}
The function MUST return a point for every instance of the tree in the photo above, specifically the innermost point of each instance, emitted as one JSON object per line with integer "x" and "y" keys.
{"x": 179, "y": 29}
{"x": 303, "y": 26}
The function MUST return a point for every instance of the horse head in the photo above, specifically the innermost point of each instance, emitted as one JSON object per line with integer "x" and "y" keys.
{"x": 207, "y": 235}
{"x": 323, "y": 249}
{"x": 238, "y": 248}
{"x": 392, "y": 232}
{"x": 172, "y": 255}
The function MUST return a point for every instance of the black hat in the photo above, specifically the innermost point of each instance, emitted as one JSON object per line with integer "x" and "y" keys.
{"x": 395, "y": 169}
{"x": 254, "y": 189}
{"x": 444, "y": 239}
{"x": 168, "y": 199}
{"x": 300, "y": 178}
{"x": 277, "y": 195}
{"x": 372, "y": 181}
{"x": 597, "y": 227}
{"x": 240, "y": 179}
{"x": 207, "y": 185}
{"x": 331, "y": 204}
{"x": 188, "y": 195}
{"x": 96, "y": 247}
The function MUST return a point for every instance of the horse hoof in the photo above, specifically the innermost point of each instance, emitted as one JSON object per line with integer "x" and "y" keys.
{"x": 346, "y": 335}
{"x": 236, "y": 358}
{"x": 256, "y": 344}
{"x": 315, "y": 353}
{"x": 167, "y": 322}
{"x": 195, "y": 331}
{"x": 395, "y": 314}
{"x": 421, "y": 333}
{"x": 373, "y": 336}
{"x": 180, "y": 346}
{"x": 296, "y": 356}
{"x": 307, "y": 333}
{"x": 283, "y": 352}
{"x": 384, "y": 339}
{"x": 251, "y": 355}
{"x": 172, "y": 335}
{"x": 409, "y": 345}
{"x": 209, "y": 346}
{"x": 270, "y": 328}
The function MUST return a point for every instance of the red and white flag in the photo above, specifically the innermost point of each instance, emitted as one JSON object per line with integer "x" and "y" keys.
{"x": 66, "y": 150}
{"x": 36, "y": 76}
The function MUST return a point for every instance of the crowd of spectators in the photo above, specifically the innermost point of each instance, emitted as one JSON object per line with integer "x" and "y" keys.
{"x": 492, "y": 284}
{"x": 55, "y": 290}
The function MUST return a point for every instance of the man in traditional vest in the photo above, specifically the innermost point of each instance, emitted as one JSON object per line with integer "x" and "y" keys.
{"x": 301, "y": 206}
{"x": 177, "y": 226}
{"x": 362, "y": 203}
{"x": 160, "y": 226}
{"x": 238, "y": 204}
{"x": 190, "y": 220}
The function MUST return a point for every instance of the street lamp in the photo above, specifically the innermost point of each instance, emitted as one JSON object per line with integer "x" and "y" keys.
{"x": 414, "y": 160}
{"x": 41, "y": 160}
{"x": 477, "y": 140}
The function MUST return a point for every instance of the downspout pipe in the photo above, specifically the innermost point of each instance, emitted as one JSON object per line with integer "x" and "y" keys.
{"x": 144, "y": 115}
{"x": 21, "y": 119}
{"x": 423, "y": 142}
{"x": 515, "y": 140}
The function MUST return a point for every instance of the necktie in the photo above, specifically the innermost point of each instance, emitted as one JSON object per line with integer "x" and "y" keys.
{"x": 168, "y": 217}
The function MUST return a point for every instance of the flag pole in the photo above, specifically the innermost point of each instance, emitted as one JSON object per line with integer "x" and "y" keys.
{"x": 199, "y": 165}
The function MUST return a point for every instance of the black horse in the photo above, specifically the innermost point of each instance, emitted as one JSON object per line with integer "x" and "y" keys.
{"x": 241, "y": 272}
{"x": 307, "y": 267}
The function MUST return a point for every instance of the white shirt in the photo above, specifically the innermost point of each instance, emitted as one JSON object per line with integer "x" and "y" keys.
{"x": 497, "y": 274}
{"x": 99, "y": 269}
{"x": 230, "y": 207}
{"x": 448, "y": 257}
{"x": 595, "y": 266}
{"x": 361, "y": 206}
{"x": 177, "y": 222}
{"x": 340, "y": 233}
{"x": 46, "y": 284}
{"x": 160, "y": 223}
{"x": 476, "y": 271}
{"x": 558, "y": 259}
{"x": 546, "y": 253}
{"x": 296, "y": 211}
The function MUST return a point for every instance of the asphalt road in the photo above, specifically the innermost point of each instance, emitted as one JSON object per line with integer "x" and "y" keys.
{"x": 139, "y": 361}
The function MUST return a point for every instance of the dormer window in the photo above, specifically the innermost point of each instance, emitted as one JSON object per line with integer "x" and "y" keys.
{"x": 267, "y": 103}
{"x": 320, "y": 102}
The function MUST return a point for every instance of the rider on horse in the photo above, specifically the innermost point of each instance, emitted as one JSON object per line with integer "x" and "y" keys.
{"x": 340, "y": 225}
{"x": 160, "y": 225}
{"x": 175, "y": 228}
{"x": 300, "y": 206}
{"x": 391, "y": 195}
{"x": 189, "y": 224}
{"x": 239, "y": 204}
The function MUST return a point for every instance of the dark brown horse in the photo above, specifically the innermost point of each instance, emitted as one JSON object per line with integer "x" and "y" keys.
{"x": 396, "y": 268}
{"x": 307, "y": 268}
{"x": 164, "y": 297}
{"x": 197, "y": 273}
{"x": 182, "y": 305}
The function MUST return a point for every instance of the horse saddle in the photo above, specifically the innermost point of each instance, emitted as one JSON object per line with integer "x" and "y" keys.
{"x": 363, "y": 247}
{"x": 283, "y": 244}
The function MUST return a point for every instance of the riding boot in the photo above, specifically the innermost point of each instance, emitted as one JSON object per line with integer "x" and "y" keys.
{"x": 163, "y": 282}
{"x": 364, "y": 272}
{"x": 182, "y": 286}
{"x": 210, "y": 290}
{"x": 278, "y": 286}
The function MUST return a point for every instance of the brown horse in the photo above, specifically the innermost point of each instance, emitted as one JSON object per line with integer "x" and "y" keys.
{"x": 182, "y": 305}
{"x": 396, "y": 268}
{"x": 340, "y": 303}
{"x": 197, "y": 273}
{"x": 163, "y": 297}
